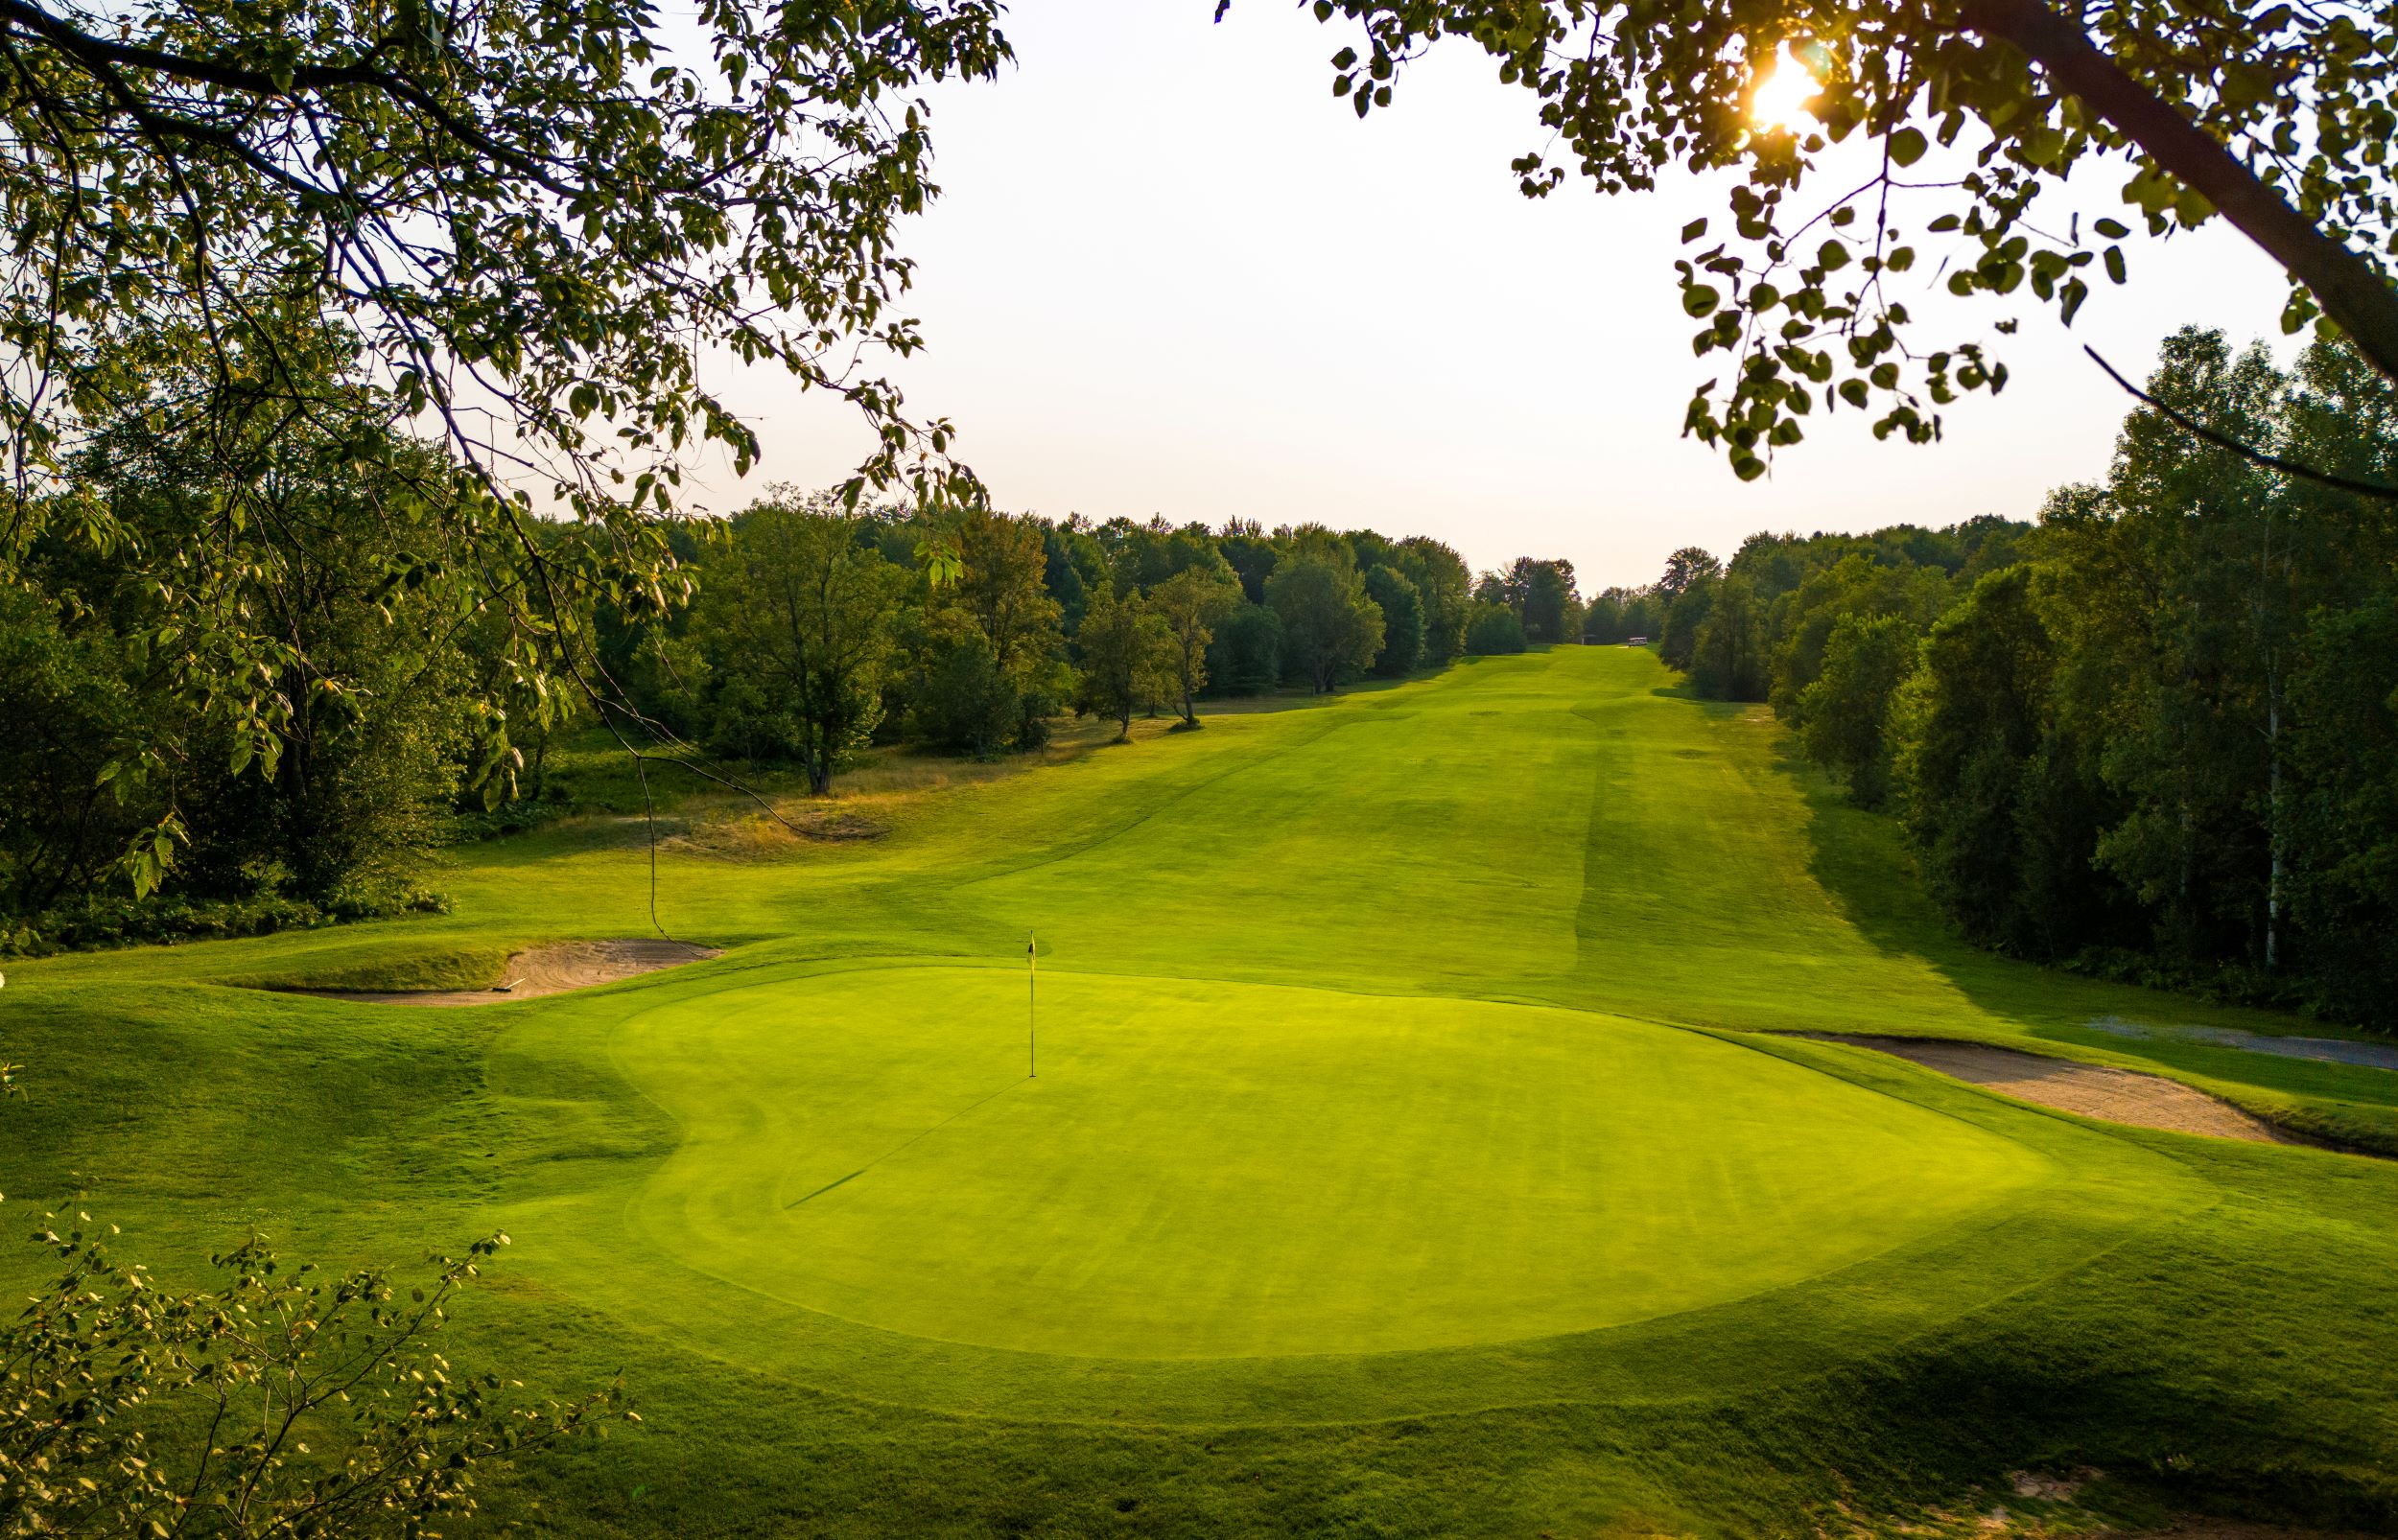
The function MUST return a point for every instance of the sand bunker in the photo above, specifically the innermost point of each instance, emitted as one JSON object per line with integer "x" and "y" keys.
{"x": 537, "y": 970}
{"x": 2117, "y": 1095}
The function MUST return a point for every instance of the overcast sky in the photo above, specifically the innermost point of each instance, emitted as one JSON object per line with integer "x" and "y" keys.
{"x": 1171, "y": 274}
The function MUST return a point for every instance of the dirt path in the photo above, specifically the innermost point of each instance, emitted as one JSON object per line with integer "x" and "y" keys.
{"x": 2329, "y": 1050}
{"x": 2117, "y": 1095}
{"x": 574, "y": 964}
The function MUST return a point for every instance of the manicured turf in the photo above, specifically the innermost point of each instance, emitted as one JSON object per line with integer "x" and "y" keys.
{"x": 1209, "y": 1170}
{"x": 1406, "y": 1157}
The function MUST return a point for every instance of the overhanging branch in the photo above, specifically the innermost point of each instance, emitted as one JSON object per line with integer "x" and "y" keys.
{"x": 2247, "y": 451}
{"x": 2358, "y": 299}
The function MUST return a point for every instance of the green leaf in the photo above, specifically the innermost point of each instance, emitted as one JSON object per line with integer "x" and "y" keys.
{"x": 1694, "y": 230}
{"x": 1907, "y": 147}
{"x": 1700, "y": 300}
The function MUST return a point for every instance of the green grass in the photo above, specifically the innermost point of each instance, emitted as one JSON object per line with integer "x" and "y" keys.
{"x": 388, "y": 964}
{"x": 1406, "y": 1158}
{"x": 1213, "y": 1170}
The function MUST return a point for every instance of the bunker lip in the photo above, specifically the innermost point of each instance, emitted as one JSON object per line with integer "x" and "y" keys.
{"x": 2091, "y": 1090}
{"x": 556, "y": 968}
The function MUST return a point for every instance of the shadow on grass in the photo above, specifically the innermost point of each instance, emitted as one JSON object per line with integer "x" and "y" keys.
{"x": 1859, "y": 860}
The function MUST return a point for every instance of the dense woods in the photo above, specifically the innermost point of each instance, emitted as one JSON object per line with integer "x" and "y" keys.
{"x": 2154, "y": 735}
{"x": 795, "y": 635}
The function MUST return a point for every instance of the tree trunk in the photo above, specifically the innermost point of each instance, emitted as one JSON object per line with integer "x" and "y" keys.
{"x": 2273, "y": 834}
{"x": 2355, "y": 297}
{"x": 816, "y": 753}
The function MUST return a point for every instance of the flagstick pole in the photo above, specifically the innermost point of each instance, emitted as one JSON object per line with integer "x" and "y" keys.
{"x": 1032, "y": 1041}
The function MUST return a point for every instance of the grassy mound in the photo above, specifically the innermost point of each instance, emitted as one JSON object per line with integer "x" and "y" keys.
{"x": 388, "y": 967}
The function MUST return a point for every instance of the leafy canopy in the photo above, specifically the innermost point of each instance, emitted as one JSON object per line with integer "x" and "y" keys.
{"x": 2276, "y": 115}
{"x": 518, "y": 226}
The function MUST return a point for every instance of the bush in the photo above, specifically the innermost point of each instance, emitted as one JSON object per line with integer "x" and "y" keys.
{"x": 114, "y": 919}
{"x": 133, "y": 1411}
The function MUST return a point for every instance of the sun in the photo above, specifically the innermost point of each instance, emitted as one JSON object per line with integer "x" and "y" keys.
{"x": 1780, "y": 96}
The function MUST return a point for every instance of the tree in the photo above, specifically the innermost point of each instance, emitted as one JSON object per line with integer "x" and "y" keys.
{"x": 522, "y": 227}
{"x": 1620, "y": 613}
{"x": 1999, "y": 807}
{"x": 1331, "y": 630}
{"x": 1493, "y": 629}
{"x": 1727, "y": 658}
{"x": 1246, "y": 655}
{"x": 1847, "y": 707}
{"x": 72, "y": 698}
{"x": 1128, "y": 656}
{"x": 2180, "y": 598}
{"x": 1542, "y": 594}
{"x": 2276, "y": 120}
{"x": 1252, "y": 554}
{"x": 1191, "y": 603}
{"x": 2343, "y": 870}
{"x": 329, "y": 761}
{"x": 1444, "y": 586}
{"x": 802, "y": 608}
{"x": 1855, "y": 585}
{"x": 283, "y": 1402}
{"x": 1001, "y": 591}
{"x": 958, "y": 697}
{"x": 1685, "y": 570}
{"x": 1685, "y": 615}
{"x": 1403, "y": 621}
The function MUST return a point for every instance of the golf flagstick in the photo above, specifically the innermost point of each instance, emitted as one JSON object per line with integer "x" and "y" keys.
{"x": 1032, "y": 1041}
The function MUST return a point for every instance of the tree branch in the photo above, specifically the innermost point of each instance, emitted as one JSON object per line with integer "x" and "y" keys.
{"x": 2358, "y": 299}
{"x": 2249, "y": 453}
{"x": 92, "y": 52}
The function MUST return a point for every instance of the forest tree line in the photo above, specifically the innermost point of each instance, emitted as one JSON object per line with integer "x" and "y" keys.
{"x": 802, "y": 633}
{"x": 818, "y": 631}
{"x": 2154, "y": 736}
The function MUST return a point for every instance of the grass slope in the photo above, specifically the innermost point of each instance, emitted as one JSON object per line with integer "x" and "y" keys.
{"x": 1404, "y": 1161}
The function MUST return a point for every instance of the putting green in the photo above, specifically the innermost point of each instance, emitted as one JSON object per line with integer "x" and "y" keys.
{"x": 1213, "y": 1170}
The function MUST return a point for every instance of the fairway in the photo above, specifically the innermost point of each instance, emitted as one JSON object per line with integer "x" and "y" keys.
{"x": 1206, "y": 1170}
{"x": 1417, "y": 1149}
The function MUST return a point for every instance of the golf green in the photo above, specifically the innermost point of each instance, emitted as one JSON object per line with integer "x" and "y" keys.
{"x": 1215, "y": 1170}
{"x": 1421, "y": 1148}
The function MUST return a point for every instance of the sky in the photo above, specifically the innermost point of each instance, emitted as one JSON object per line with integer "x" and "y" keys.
{"x": 1171, "y": 274}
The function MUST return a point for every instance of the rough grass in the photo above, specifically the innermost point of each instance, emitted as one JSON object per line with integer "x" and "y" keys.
{"x": 1412, "y": 1161}
{"x": 388, "y": 964}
